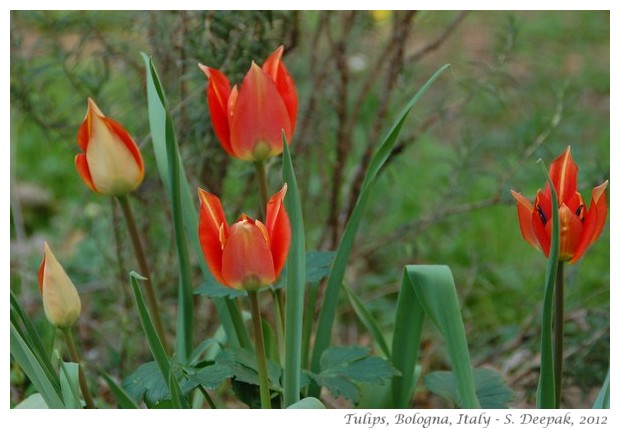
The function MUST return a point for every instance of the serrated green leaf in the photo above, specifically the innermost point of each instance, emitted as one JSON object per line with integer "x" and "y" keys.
{"x": 491, "y": 390}
{"x": 344, "y": 368}
{"x": 147, "y": 383}
{"x": 211, "y": 376}
{"x": 242, "y": 364}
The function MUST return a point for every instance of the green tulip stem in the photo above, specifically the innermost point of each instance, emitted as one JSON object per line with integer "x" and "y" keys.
{"x": 261, "y": 357}
{"x": 278, "y": 296}
{"x": 144, "y": 270}
{"x": 263, "y": 187}
{"x": 558, "y": 346}
{"x": 76, "y": 358}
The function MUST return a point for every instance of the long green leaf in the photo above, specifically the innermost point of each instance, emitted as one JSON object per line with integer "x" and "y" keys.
{"x": 429, "y": 290}
{"x": 122, "y": 397}
{"x": 31, "y": 337}
{"x": 546, "y": 384}
{"x": 154, "y": 342}
{"x": 368, "y": 321}
{"x": 602, "y": 400}
{"x": 69, "y": 384}
{"x": 334, "y": 281}
{"x": 35, "y": 372}
{"x": 162, "y": 134}
{"x": 295, "y": 282}
{"x": 166, "y": 152}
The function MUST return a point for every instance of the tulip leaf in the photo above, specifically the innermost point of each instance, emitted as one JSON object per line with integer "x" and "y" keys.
{"x": 307, "y": 404}
{"x": 154, "y": 342}
{"x": 490, "y": 387}
{"x": 30, "y": 336}
{"x": 336, "y": 275}
{"x": 32, "y": 402}
{"x": 164, "y": 143}
{"x": 546, "y": 395}
{"x": 69, "y": 384}
{"x": 47, "y": 386}
{"x": 368, "y": 321}
{"x": 428, "y": 291}
{"x": 602, "y": 399}
{"x": 123, "y": 399}
{"x": 295, "y": 282}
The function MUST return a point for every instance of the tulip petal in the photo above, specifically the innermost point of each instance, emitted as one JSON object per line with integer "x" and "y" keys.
{"x": 570, "y": 232}
{"x": 524, "y": 211}
{"x": 284, "y": 82}
{"x": 279, "y": 228}
{"x": 594, "y": 221}
{"x": 81, "y": 165}
{"x": 258, "y": 118}
{"x": 541, "y": 216}
{"x": 246, "y": 259}
{"x": 212, "y": 232}
{"x": 218, "y": 93}
{"x": 41, "y": 272}
{"x": 563, "y": 174}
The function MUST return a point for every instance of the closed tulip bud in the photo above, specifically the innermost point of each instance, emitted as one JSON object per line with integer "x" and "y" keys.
{"x": 61, "y": 301}
{"x": 111, "y": 163}
{"x": 249, "y": 120}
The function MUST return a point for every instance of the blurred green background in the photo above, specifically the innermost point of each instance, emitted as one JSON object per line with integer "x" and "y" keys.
{"x": 523, "y": 86}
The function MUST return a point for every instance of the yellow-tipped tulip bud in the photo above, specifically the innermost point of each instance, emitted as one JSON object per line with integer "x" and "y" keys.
{"x": 61, "y": 301}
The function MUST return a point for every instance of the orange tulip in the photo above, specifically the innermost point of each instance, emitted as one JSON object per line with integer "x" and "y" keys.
{"x": 111, "y": 163}
{"x": 579, "y": 226}
{"x": 249, "y": 121}
{"x": 61, "y": 301}
{"x": 248, "y": 254}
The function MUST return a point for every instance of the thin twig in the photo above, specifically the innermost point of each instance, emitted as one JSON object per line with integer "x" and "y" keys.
{"x": 437, "y": 42}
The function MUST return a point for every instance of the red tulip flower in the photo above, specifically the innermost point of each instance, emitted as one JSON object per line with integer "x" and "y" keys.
{"x": 248, "y": 254}
{"x": 579, "y": 226}
{"x": 249, "y": 120}
{"x": 111, "y": 163}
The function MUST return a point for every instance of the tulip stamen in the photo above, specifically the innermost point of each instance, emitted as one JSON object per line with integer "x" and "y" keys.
{"x": 579, "y": 213}
{"x": 542, "y": 215}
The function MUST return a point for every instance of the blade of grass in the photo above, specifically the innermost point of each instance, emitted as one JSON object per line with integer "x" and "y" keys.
{"x": 122, "y": 397}
{"x": 155, "y": 344}
{"x": 546, "y": 395}
{"x": 368, "y": 321}
{"x": 334, "y": 281}
{"x": 408, "y": 324}
{"x": 434, "y": 288}
{"x": 162, "y": 132}
{"x": 295, "y": 282}
{"x": 35, "y": 372}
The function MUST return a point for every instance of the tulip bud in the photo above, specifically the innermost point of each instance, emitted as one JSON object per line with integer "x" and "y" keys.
{"x": 111, "y": 163}
{"x": 61, "y": 301}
